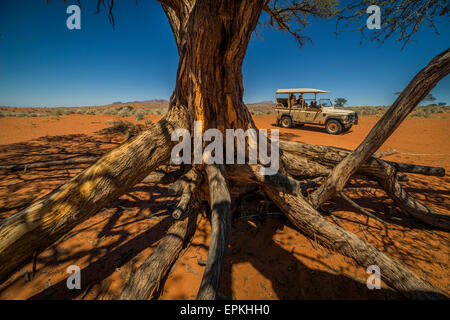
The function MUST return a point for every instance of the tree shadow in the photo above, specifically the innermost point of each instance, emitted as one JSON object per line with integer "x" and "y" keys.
{"x": 289, "y": 277}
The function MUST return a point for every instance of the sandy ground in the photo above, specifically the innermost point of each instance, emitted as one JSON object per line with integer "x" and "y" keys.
{"x": 266, "y": 260}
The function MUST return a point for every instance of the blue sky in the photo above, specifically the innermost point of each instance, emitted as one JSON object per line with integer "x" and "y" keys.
{"x": 42, "y": 63}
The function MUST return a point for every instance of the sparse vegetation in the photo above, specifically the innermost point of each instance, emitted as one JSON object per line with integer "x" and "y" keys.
{"x": 255, "y": 109}
{"x": 120, "y": 126}
{"x": 419, "y": 111}
{"x": 340, "y": 102}
{"x": 124, "y": 113}
{"x": 139, "y": 114}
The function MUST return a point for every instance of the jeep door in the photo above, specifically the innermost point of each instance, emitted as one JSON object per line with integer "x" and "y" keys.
{"x": 298, "y": 114}
{"x": 312, "y": 115}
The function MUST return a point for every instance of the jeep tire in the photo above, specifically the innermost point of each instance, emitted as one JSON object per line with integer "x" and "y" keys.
{"x": 286, "y": 122}
{"x": 333, "y": 126}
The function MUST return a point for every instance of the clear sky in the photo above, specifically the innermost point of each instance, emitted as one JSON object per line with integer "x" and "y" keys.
{"x": 42, "y": 63}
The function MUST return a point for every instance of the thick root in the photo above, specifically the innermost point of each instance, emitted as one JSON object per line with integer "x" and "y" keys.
{"x": 185, "y": 185}
{"x": 38, "y": 226}
{"x": 220, "y": 201}
{"x": 310, "y": 222}
{"x": 388, "y": 180}
{"x": 146, "y": 282}
{"x": 383, "y": 171}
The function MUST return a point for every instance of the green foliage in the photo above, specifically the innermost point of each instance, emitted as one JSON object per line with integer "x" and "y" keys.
{"x": 110, "y": 111}
{"x": 124, "y": 113}
{"x": 419, "y": 111}
{"x": 401, "y": 19}
{"x": 126, "y": 108}
{"x": 293, "y": 17}
{"x": 139, "y": 114}
{"x": 340, "y": 102}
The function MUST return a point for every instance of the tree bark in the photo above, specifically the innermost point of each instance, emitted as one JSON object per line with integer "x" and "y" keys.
{"x": 45, "y": 221}
{"x": 212, "y": 37}
{"x": 146, "y": 282}
{"x": 415, "y": 92}
{"x": 220, "y": 201}
{"x": 310, "y": 222}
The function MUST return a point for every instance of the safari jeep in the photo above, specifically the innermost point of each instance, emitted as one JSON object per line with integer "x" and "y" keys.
{"x": 291, "y": 111}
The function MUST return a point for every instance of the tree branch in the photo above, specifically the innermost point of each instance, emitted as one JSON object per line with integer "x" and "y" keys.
{"x": 310, "y": 222}
{"x": 146, "y": 281}
{"x": 220, "y": 201}
{"x": 416, "y": 90}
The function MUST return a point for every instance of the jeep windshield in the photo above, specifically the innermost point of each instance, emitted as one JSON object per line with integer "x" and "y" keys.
{"x": 326, "y": 103}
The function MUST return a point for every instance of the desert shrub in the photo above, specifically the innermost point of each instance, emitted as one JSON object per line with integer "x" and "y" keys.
{"x": 93, "y": 111}
{"x": 139, "y": 114}
{"x": 110, "y": 111}
{"x": 121, "y": 126}
{"x": 55, "y": 112}
{"x": 127, "y": 108}
{"x": 124, "y": 113}
{"x": 148, "y": 121}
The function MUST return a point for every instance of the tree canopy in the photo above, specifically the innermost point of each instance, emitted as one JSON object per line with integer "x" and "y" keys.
{"x": 400, "y": 19}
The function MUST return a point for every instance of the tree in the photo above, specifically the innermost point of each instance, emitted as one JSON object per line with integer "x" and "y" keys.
{"x": 212, "y": 38}
{"x": 340, "y": 102}
{"x": 429, "y": 98}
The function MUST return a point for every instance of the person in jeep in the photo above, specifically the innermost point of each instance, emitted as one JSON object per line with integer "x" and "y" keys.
{"x": 300, "y": 101}
{"x": 292, "y": 99}
{"x": 319, "y": 112}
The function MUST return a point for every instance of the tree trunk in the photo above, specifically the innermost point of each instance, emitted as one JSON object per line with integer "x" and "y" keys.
{"x": 38, "y": 226}
{"x": 212, "y": 38}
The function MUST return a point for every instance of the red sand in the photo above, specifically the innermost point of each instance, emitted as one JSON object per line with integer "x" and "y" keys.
{"x": 264, "y": 261}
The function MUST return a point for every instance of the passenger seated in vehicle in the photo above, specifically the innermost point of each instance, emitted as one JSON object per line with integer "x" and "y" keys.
{"x": 300, "y": 101}
{"x": 292, "y": 99}
{"x": 314, "y": 105}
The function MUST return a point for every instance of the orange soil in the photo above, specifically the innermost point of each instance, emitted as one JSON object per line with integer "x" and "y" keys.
{"x": 266, "y": 259}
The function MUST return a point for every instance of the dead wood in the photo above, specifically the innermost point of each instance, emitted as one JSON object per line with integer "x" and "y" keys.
{"x": 309, "y": 221}
{"x": 220, "y": 202}
{"x": 411, "y": 96}
{"x": 146, "y": 282}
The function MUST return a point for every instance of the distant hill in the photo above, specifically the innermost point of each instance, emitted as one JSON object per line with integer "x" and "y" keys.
{"x": 261, "y": 103}
{"x": 141, "y": 102}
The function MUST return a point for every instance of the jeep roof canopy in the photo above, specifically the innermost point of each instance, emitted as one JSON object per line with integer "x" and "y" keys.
{"x": 300, "y": 90}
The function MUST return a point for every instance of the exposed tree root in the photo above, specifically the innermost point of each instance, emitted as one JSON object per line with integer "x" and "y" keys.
{"x": 309, "y": 221}
{"x": 47, "y": 164}
{"x": 385, "y": 172}
{"x": 185, "y": 185}
{"x": 415, "y": 92}
{"x": 220, "y": 202}
{"x": 46, "y": 220}
{"x": 359, "y": 208}
{"x": 388, "y": 180}
{"x": 146, "y": 282}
